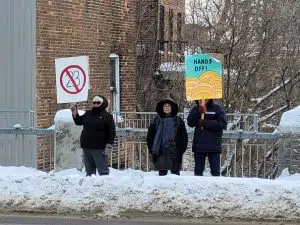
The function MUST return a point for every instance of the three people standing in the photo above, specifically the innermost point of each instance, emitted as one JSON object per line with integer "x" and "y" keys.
{"x": 167, "y": 136}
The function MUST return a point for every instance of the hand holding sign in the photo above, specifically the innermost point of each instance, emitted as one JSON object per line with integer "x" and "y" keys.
{"x": 202, "y": 108}
{"x": 73, "y": 109}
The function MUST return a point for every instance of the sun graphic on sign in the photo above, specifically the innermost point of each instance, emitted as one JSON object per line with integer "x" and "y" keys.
{"x": 206, "y": 86}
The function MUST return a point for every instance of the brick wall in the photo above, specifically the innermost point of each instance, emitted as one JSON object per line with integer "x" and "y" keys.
{"x": 177, "y": 6}
{"x": 147, "y": 51}
{"x": 45, "y": 153}
{"x": 150, "y": 88}
{"x": 95, "y": 28}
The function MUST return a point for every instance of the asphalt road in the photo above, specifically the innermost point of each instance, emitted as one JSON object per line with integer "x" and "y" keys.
{"x": 47, "y": 220}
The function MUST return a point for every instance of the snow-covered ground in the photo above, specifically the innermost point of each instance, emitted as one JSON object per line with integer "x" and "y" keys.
{"x": 69, "y": 191}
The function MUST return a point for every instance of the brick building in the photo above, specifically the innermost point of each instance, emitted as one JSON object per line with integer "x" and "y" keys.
{"x": 35, "y": 32}
{"x": 102, "y": 30}
{"x": 126, "y": 42}
{"x": 159, "y": 46}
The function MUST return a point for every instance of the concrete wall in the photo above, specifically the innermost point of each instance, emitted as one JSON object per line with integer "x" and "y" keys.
{"x": 289, "y": 154}
{"x": 68, "y": 153}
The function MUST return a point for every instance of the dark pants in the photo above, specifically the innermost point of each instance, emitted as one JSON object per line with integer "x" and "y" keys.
{"x": 165, "y": 172}
{"x": 95, "y": 159}
{"x": 214, "y": 163}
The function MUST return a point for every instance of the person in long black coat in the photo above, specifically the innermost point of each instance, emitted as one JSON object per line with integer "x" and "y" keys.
{"x": 98, "y": 131}
{"x": 167, "y": 138}
{"x": 207, "y": 135}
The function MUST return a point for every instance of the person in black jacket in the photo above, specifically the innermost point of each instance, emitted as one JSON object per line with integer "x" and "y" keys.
{"x": 207, "y": 135}
{"x": 167, "y": 138}
{"x": 98, "y": 131}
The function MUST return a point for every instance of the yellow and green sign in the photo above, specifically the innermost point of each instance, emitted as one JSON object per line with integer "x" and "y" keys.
{"x": 203, "y": 77}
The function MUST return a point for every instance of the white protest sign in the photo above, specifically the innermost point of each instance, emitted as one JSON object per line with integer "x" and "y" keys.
{"x": 72, "y": 79}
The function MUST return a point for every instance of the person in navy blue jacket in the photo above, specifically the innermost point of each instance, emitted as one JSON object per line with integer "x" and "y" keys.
{"x": 207, "y": 135}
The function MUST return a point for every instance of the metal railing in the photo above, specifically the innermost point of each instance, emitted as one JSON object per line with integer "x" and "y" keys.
{"x": 9, "y": 118}
{"x": 246, "y": 122}
{"x": 142, "y": 120}
{"x": 30, "y": 147}
{"x": 245, "y": 154}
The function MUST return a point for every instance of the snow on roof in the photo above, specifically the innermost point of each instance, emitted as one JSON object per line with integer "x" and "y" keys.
{"x": 172, "y": 67}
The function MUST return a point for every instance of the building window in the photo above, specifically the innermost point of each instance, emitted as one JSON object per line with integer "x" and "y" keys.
{"x": 140, "y": 49}
{"x": 161, "y": 27}
{"x": 114, "y": 83}
{"x": 179, "y": 32}
{"x": 171, "y": 17}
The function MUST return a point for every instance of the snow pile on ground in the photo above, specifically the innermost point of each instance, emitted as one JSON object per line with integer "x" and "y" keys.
{"x": 285, "y": 175}
{"x": 69, "y": 191}
{"x": 290, "y": 121}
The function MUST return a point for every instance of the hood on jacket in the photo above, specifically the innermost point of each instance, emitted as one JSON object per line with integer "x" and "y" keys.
{"x": 159, "y": 107}
{"x": 103, "y": 105}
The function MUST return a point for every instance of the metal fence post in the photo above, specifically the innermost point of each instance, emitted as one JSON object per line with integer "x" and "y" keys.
{"x": 255, "y": 122}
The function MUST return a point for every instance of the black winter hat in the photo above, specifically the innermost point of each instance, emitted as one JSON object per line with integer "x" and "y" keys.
{"x": 159, "y": 107}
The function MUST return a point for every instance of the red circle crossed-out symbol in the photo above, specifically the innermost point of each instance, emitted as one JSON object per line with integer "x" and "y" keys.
{"x": 66, "y": 70}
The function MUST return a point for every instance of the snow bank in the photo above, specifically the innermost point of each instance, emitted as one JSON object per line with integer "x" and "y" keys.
{"x": 65, "y": 115}
{"x": 290, "y": 121}
{"x": 69, "y": 191}
{"x": 285, "y": 175}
